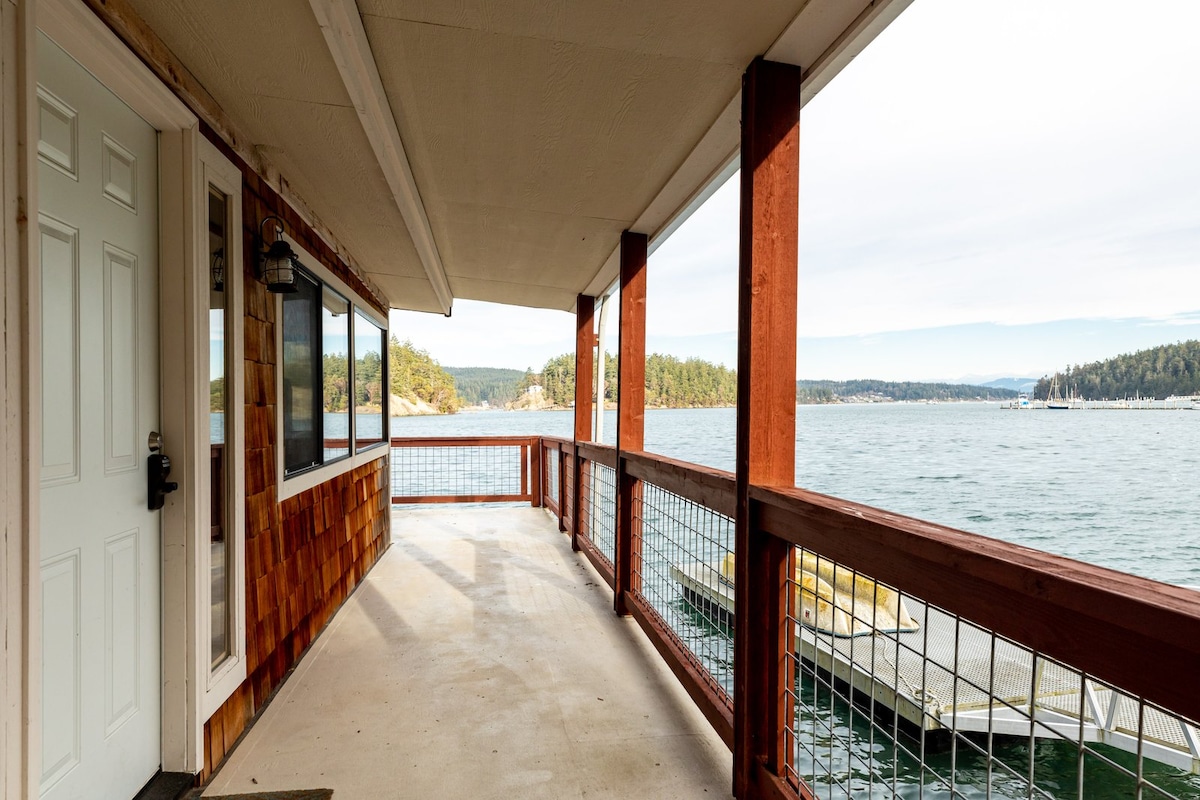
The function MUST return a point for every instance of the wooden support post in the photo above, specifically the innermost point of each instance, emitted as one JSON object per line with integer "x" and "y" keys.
{"x": 585, "y": 345}
{"x": 562, "y": 488}
{"x": 577, "y": 485}
{"x": 766, "y": 418}
{"x": 526, "y": 485}
{"x": 537, "y": 471}
{"x": 631, "y": 412}
{"x": 585, "y": 390}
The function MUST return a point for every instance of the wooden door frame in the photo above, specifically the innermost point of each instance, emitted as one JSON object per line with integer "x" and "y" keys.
{"x": 14, "y": 594}
{"x": 183, "y": 359}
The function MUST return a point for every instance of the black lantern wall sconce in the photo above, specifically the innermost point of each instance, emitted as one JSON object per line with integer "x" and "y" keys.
{"x": 277, "y": 263}
{"x": 217, "y": 267}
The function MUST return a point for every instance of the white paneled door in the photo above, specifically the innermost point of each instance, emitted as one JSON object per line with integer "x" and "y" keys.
{"x": 98, "y": 234}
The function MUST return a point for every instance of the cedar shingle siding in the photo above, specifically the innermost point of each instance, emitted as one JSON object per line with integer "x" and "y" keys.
{"x": 305, "y": 555}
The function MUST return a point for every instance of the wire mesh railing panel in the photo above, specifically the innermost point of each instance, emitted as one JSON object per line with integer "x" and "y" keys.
{"x": 600, "y": 508}
{"x": 896, "y": 697}
{"x": 551, "y": 459}
{"x": 685, "y": 574}
{"x": 568, "y": 475}
{"x": 468, "y": 472}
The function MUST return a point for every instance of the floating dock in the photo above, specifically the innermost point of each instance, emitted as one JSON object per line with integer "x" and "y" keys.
{"x": 951, "y": 675}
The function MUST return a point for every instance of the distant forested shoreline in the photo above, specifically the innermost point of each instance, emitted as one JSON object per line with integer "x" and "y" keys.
{"x": 670, "y": 383}
{"x": 417, "y": 380}
{"x": 810, "y": 392}
{"x": 1158, "y": 372}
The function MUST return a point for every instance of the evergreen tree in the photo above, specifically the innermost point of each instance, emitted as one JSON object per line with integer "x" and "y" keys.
{"x": 416, "y": 376}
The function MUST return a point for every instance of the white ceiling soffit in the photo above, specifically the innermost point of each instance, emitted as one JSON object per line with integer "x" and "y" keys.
{"x": 343, "y": 29}
{"x": 284, "y": 108}
{"x": 495, "y": 149}
{"x": 823, "y": 38}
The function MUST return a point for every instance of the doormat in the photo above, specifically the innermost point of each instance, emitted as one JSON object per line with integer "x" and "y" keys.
{"x": 287, "y": 794}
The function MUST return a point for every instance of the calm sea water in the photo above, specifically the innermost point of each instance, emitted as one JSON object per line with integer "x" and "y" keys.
{"x": 1115, "y": 488}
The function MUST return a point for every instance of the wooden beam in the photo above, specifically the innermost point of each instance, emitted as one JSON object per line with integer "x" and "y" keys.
{"x": 585, "y": 345}
{"x": 766, "y": 416}
{"x": 711, "y": 488}
{"x": 585, "y": 391}
{"x": 562, "y": 487}
{"x": 631, "y": 359}
{"x": 347, "y": 41}
{"x": 631, "y": 411}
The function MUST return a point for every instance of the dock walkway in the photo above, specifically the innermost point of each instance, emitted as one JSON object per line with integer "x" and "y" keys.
{"x": 480, "y": 658}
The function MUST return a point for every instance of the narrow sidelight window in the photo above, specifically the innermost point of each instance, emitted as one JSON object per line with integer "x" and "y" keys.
{"x": 220, "y": 410}
{"x": 219, "y": 618}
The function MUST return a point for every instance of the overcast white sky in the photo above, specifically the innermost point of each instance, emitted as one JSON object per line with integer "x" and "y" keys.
{"x": 991, "y": 188}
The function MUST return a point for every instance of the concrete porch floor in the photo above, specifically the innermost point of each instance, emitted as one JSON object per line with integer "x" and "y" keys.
{"x": 480, "y": 658}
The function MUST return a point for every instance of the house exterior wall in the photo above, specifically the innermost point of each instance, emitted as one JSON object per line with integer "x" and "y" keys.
{"x": 304, "y": 555}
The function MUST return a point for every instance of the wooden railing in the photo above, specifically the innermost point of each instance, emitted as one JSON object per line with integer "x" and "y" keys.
{"x": 1139, "y": 634}
{"x": 1131, "y": 633}
{"x": 467, "y": 469}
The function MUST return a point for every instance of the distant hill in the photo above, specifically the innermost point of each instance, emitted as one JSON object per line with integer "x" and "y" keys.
{"x": 1013, "y": 384}
{"x": 495, "y": 385}
{"x": 809, "y": 392}
{"x": 670, "y": 382}
{"x": 1159, "y": 372}
{"x": 417, "y": 379}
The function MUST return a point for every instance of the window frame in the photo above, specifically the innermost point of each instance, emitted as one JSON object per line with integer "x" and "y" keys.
{"x": 219, "y": 682}
{"x": 316, "y": 359}
{"x": 385, "y": 383}
{"x": 292, "y": 484}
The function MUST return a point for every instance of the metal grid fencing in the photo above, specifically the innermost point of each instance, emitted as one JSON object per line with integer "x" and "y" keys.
{"x": 685, "y": 574}
{"x": 599, "y": 490}
{"x": 551, "y": 459}
{"x": 570, "y": 509}
{"x": 895, "y": 697}
{"x": 464, "y": 472}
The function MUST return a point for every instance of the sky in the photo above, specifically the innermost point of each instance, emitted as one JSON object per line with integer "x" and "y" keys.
{"x": 990, "y": 189}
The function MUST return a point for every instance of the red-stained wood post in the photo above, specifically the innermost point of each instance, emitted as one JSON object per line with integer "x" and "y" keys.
{"x": 562, "y": 489}
{"x": 766, "y": 419}
{"x": 585, "y": 391}
{"x": 631, "y": 412}
{"x": 535, "y": 473}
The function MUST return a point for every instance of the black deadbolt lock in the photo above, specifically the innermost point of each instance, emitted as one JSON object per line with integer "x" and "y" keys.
{"x": 157, "y": 485}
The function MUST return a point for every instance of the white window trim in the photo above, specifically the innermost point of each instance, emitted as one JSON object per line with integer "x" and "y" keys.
{"x": 290, "y": 486}
{"x": 15, "y": 593}
{"x": 217, "y": 685}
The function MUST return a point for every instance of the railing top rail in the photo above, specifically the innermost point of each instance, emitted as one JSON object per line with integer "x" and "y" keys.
{"x": 462, "y": 441}
{"x": 1090, "y": 617}
{"x": 552, "y": 440}
{"x": 713, "y": 488}
{"x": 604, "y": 454}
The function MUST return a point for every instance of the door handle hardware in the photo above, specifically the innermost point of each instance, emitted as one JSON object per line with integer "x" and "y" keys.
{"x": 158, "y": 466}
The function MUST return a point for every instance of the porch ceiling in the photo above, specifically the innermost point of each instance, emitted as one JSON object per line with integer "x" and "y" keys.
{"x": 534, "y": 131}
